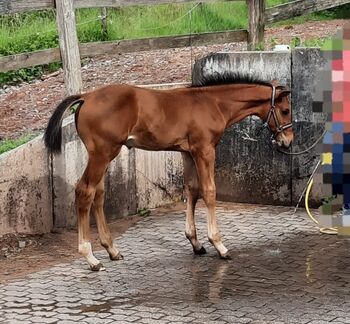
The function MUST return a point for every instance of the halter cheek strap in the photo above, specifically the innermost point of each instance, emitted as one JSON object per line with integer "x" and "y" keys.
{"x": 272, "y": 113}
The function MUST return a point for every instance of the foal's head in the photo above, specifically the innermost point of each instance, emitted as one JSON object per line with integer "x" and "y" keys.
{"x": 275, "y": 109}
{"x": 279, "y": 116}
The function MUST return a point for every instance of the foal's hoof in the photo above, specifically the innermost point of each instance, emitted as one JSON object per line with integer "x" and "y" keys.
{"x": 97, "y": 267}
{"x": 119, "y": 256}
{"x": 201, "y": 251}
{"x": 226, "y": 256}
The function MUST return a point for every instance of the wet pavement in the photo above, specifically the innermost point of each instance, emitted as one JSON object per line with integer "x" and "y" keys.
{"x": 283, "y": 271}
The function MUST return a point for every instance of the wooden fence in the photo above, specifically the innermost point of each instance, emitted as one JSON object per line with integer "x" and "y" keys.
{"x": 70, "y": 51}
{"x": 299, "y": 8}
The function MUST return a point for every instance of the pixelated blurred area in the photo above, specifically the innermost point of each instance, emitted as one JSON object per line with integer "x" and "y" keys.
{"x": 332, "y": 98}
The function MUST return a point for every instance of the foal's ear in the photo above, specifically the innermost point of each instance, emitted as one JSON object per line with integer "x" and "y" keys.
{"x": 282, "y": 91}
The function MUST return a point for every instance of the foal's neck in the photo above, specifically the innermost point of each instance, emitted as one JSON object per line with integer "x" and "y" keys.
{"x": 238, "y": 101}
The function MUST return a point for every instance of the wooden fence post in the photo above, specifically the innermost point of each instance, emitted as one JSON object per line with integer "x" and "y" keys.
{"x": 69, "y": 46}
{"x": 256, "y": 9}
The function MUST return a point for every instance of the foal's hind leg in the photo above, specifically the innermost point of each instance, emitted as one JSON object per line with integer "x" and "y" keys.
{"x": 103, "y": 230}
{"x": 84, "y": 195}
{"x": 192, "y": 195}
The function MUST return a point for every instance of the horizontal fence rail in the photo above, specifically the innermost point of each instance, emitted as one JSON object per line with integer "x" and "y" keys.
{"x": 125, "y": 46}
{"x": 16, "y": 6}
{"x": 14, "y": 62}
{"x": 19, "y": 61}
{"x": 299, "y": 8}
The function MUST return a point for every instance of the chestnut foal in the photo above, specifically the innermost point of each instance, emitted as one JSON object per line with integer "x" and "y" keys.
{"x": 190, "y": 120}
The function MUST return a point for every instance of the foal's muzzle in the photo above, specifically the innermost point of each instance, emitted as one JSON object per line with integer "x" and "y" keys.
{"x": 284, "y": 141}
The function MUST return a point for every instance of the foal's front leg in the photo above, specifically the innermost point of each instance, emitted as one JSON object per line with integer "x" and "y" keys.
{"x": 192, "y": 195}
{"x": 205, "y": 163}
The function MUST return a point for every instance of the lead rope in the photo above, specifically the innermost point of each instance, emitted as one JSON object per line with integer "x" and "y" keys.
{"x": 324, "y": 230}
{"x": 306, "y": 150}
{"x": 307, "y": 190}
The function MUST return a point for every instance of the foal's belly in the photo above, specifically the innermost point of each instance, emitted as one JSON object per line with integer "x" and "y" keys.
{"x": 134, "y": 141}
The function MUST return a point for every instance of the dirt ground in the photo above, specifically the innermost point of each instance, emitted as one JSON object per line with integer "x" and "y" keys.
{"x": 26, "y": 108}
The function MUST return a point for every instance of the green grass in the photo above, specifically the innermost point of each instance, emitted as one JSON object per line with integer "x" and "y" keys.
{"x": 27, "y": 32}
{"x": 32, "y": 31}
{"x": 342, "y": 12}
{"x": 161, "y": 20}
{"x": 8, "y": 145}
{"x": 319, "y": 42}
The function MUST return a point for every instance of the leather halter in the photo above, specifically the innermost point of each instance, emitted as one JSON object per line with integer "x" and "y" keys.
{"x": 272, "y": 113}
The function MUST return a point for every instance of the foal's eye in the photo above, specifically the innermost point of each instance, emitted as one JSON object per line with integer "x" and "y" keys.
{"x": 285, "y": 112}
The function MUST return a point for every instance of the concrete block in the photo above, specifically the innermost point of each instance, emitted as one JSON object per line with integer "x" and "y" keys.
{"x": 248, "y": 171}
{"x": 307, "y": 62}
{"x": 308, "y": 126}
{"x": 25, "y": 190}
{"x": 267, "y": 66}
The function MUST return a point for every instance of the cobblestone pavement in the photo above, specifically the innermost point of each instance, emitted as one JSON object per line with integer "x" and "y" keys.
{"x": 283, "y": 271}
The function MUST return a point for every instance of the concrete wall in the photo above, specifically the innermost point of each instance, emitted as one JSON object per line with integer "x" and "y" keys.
{"x": 306, "y": 63}
{"x": 159, "y": 178}
{"x": 248, "y": 171}
{"x": 25, "y": 190}
{"x": 121, "y": 194}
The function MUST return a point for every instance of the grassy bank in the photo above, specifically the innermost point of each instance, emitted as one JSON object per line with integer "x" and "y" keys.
{"x": 8, "y": 145}
{"x": 37, "y": 30}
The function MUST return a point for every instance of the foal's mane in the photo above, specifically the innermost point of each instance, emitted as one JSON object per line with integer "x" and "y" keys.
{"x": 227, "y": 77}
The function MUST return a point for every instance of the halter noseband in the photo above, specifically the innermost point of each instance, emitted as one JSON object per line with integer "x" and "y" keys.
{"x": 272, "y": 112}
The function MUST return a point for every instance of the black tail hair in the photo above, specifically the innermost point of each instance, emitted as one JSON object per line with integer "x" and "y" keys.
{"x": 53, "y": 132}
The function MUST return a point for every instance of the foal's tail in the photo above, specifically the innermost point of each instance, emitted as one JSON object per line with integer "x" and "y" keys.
{"x": 53, "y": 132}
